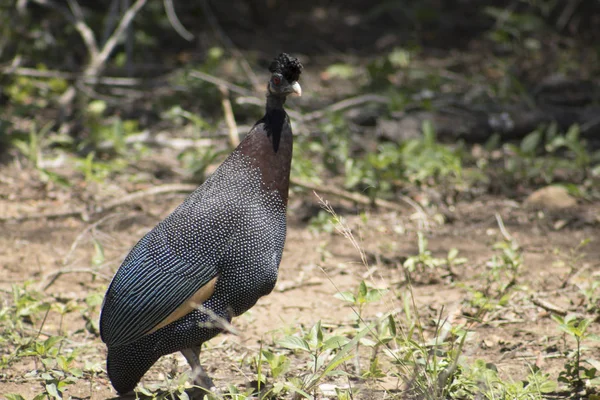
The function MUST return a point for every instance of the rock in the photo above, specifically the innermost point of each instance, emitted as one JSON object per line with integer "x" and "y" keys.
{"x": 550, "y": 198}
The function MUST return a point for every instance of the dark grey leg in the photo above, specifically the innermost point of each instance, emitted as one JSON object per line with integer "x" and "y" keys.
{"x": 199, "y": 376}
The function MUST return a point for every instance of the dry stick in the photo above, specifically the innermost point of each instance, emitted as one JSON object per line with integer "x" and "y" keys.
{"x": 507, "y": 236}
{"x": 359, "y": 198}
{"x": 169, "y": 188}
{"x": 222, "y": 82}
{"x": 186, "y": 188}
{"x": 81, "y": 235}
{"x": 49, "y": 215}
{"x": 112, "y": 81}
{"x": 234, "y": 136}
{"x": 346, "y": 103}
{"x": 52, "y": 277}
{"x": 546, "y": 305}
{"x": 212, "y": 20}
{"x": 98, "y": 63}
{"x": 175, "y": 22}
{"x": 97, "y": 57}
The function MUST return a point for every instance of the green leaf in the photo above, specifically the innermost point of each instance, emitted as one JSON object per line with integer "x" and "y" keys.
{"x": 294, "y": 343}
{"x": 573, "y": 134}
{"x": 345, "y": 296}
{"x": 183, "y": 396}
{"x": 531, "y": 142}
{"x": 375, "y": 295}
{"x": 362, "y": 291}
{"x": 548, "y": 387}
{"x": 315, "y": 336}
{"x": 98, "y": 257}
{"x": 53, "y": 391}
{"x": 14, "y": 396}
{"x": 96, "y": 107}
{"x": 452, "y": 254}
{"x": 343, "y": 71}
{"x": 428, "y": 133}
{"x": 335, "y": 342}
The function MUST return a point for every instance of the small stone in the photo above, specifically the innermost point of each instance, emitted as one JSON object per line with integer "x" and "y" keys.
{"x": 551, "y": 198}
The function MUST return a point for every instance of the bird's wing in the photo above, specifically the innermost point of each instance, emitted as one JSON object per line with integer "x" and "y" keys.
{"x": 174, "y": 266}
{"x": 152, "y": 286}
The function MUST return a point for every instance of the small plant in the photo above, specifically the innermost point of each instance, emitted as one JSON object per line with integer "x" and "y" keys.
{"x": 425, "y": 263}
{"x": 576, "y": 375}
{"x": 322, "y": 361}
{"x": 95, "y": 170}
{"x": 363, "y": 296}
{"x": 546, "y": 156}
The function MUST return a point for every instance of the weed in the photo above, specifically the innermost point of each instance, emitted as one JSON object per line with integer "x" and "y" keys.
{"x": 363, "y": 296}
{"x": 546, "y": 156}
{"x": 425, "y": 263}
{"x": 576, "y": 375}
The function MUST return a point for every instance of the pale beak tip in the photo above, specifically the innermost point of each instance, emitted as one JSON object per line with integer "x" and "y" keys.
{"x": 297, "y": 90}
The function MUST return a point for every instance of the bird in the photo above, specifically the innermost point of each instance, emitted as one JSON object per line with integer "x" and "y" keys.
{"x": 212, "y": 258}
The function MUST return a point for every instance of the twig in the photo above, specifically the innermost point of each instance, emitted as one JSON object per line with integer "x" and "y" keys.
{"x": 183, "y": 187}
{"x": 221, "y": 82}
{"x": 546, "y": 305}
{"x": 359, "y": 198}
{"x": 48, "y": 215}
{"x": 505, "y": 233}
{"x": 85, "y": 215}
{"x": 175, "y": 23}
{"x": 81, "y": 235}
{"x": 234, "y": 136}
{"x": 169, "y": 188}
{"x": 84, "y": 30}
{"x": 98, "y": 62}
{"x": 212, "y": 20}
{"x": 97, "y": 56}
{"x": 346, "y": 103}
{"x": 112, "y": 81}
{"x": 53, "y": 276}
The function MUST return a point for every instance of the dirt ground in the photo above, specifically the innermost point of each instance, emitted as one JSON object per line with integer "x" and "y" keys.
{"x": 315, "y": 266}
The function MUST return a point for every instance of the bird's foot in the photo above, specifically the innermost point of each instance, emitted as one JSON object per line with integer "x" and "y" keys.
{"x": 200, "y": 378}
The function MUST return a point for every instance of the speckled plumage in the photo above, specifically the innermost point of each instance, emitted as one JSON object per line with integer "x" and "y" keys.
{"x": 231, "y": 228}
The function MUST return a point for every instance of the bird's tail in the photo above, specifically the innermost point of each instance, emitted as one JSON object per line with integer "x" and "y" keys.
{"x": 127, "y": 364}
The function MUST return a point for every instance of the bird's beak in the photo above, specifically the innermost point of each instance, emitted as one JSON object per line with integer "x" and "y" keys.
{"x": 296, "y": 89}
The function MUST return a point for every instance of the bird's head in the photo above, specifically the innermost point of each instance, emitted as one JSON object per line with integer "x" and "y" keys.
{"x": 285, "y": 71}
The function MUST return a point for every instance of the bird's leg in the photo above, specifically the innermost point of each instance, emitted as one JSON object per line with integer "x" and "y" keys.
{"x": 199, "y": 376}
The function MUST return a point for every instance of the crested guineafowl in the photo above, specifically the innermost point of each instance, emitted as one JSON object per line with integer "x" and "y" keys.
{"x": 212, "y": 258}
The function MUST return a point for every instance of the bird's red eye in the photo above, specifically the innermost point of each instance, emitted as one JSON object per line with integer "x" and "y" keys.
{"x": 276, "y": 80}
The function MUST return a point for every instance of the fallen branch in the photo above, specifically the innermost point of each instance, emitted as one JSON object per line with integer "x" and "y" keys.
{"x": 359, "y": 198}
{"x": 34, "y": 73}
{"x": 345, "y": 104}
{"x": 546, "y": 305}
{"x": 48, "y": 215}
{"x": 169, "y": 188}
{"x": 53, "y": 276}
{"x": 222, "y": 82}
{"x": 85, "y": 214}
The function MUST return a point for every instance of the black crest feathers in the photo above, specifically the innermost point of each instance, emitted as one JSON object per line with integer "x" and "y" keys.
{"x": 287, "y": 66}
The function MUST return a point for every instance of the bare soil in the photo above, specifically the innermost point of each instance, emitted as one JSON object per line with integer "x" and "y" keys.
{"x": 315, "y": 266}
